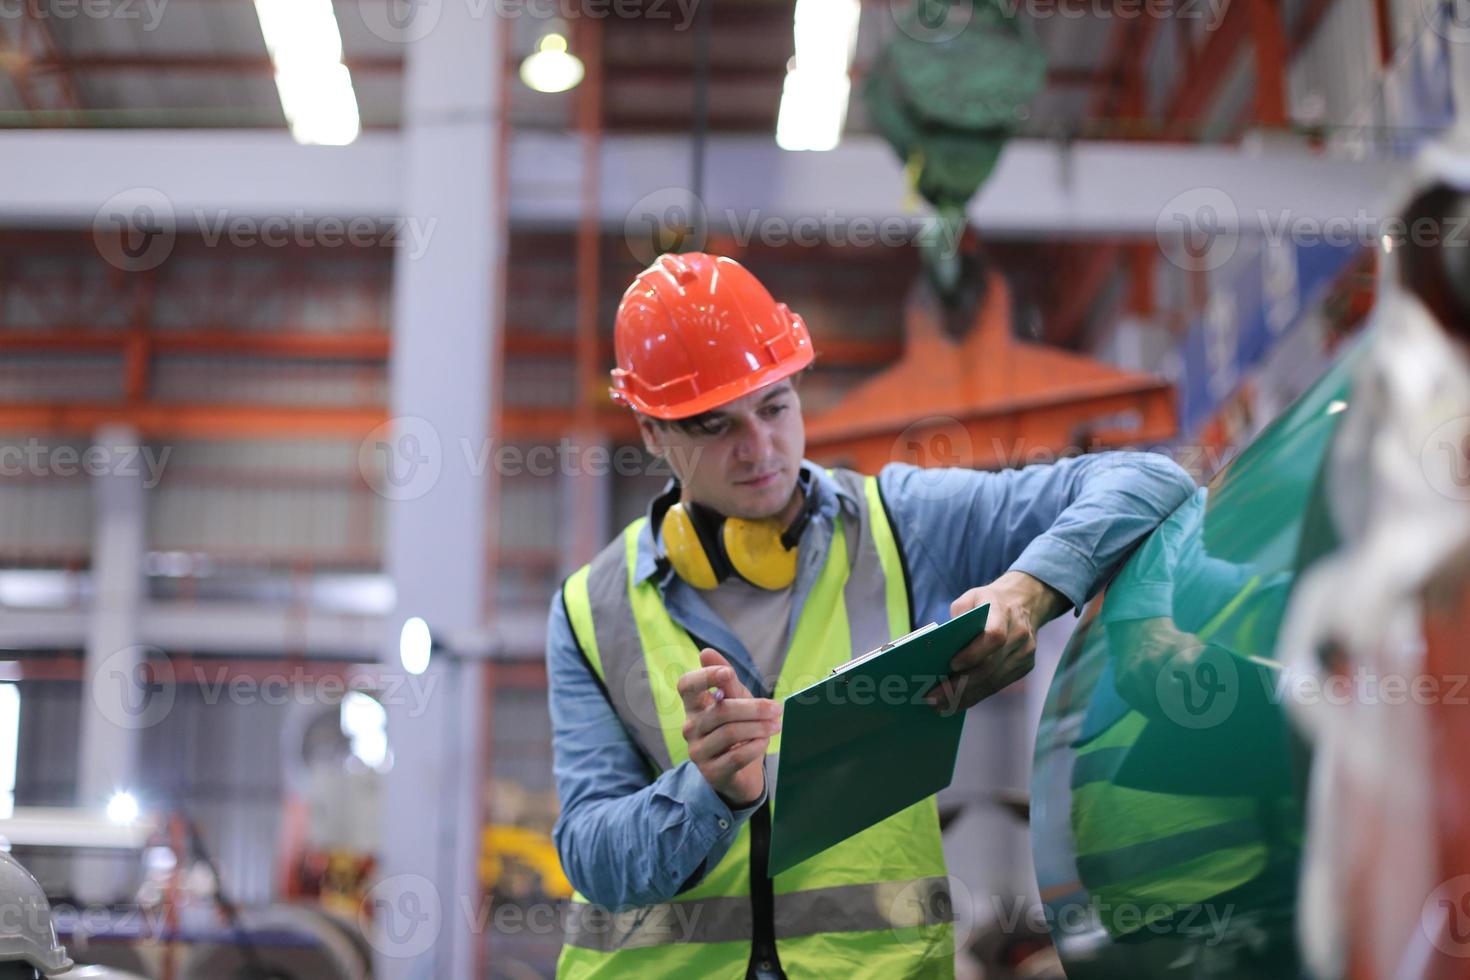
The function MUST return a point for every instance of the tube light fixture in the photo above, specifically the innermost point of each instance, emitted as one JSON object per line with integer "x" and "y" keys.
{"x": 305, "y": 46}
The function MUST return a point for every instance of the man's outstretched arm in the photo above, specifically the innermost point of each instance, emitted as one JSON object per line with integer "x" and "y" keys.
{"x": 1031, "y": 542}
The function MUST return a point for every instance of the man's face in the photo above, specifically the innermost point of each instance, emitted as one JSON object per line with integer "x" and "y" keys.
{"x": 741, "y": 459}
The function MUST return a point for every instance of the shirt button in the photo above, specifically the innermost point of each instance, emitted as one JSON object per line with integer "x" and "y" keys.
{"x": 724, "y": 824}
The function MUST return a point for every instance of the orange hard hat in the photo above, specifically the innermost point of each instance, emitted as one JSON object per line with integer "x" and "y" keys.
{"x": 696, "y": 331}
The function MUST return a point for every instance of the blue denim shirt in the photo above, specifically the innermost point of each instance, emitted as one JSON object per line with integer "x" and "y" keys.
{"x": 625, "y": 841}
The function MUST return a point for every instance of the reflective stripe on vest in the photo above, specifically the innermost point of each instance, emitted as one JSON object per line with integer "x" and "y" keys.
{"x": 880, "y": 898}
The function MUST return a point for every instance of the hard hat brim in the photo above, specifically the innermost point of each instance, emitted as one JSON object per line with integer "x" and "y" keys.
{"x": 723, "y": 395}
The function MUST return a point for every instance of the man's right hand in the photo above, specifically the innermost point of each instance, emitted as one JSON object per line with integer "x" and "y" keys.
{"x": 728, "y": 735}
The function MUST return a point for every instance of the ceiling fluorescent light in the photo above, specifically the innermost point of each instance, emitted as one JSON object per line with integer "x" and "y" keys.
{"x": 812, "y": 110}
{"x": 815, "y": 94}
{"x": 305, "y": 45}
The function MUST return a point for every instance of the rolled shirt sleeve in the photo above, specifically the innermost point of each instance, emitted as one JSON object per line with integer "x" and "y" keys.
{"x": 1069, "y": 524}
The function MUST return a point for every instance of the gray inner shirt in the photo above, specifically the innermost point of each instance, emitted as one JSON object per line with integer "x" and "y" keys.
{"x": 760, "y": 617}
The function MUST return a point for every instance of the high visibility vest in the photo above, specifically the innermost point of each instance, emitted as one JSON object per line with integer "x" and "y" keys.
{"x": 876, "y": 905}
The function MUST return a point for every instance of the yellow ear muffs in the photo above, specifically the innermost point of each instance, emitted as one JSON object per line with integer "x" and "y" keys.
{"x": 756, "y": 552}
{"x": 685, "y": 551}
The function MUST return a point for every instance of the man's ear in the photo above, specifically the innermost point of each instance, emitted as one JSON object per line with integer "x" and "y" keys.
{"x": 652, "y": 436}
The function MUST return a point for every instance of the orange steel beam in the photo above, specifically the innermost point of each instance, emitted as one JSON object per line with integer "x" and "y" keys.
{"x": 1212, "y": 64}
{"x": 1268, "y": 39}
{"x": 190, "y": 420}
{"x": 1023, "y": 432}
{"x": 1141, "y": 267}
{"x": 587, "y": 33}
{"x": 197, "y": 64}
{"x": 310, "y": 346}
{"x": 194, "y": 420}
{"x": 361, "y": 345}
{"x": 1383, "y": 16}
{"x": 831, "y": 351}
{"x": 36, "y": 43}
{"x": 1129, "y": 49}
{"x": 1084, "y": 286}
{"x": 137, "y": 355}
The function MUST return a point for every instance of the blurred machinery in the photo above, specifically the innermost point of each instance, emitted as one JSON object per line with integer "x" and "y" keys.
{"x": 1251, "y": 758}
{"x": 947, "y": 91}
{"x": 1382, "y": 620}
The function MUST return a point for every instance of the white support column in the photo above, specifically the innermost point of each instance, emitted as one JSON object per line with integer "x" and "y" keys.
{"x": 444, "y": 318}
{"x": 118, "y": 700}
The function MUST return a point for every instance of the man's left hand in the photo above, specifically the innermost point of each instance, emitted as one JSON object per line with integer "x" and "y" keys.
{"x": 1006, "y": 651}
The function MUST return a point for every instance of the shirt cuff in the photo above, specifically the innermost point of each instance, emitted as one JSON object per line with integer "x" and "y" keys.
{"x": 1059, "y": 565}
{"x": 710, "y": 817}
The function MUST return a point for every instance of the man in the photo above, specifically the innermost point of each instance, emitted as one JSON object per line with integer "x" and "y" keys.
{"x": 752, "y": 573}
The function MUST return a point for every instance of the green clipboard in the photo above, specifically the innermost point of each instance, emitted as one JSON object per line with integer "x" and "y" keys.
{"x": 862, "y": 744}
